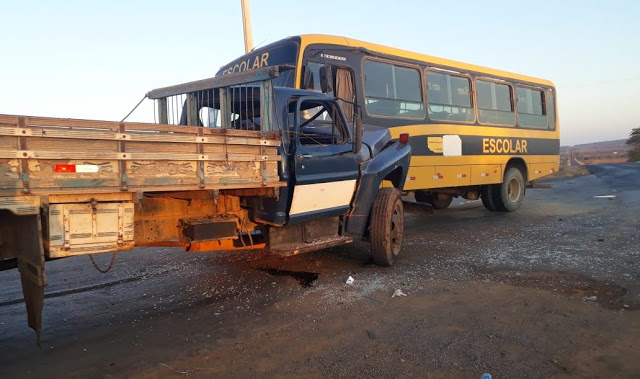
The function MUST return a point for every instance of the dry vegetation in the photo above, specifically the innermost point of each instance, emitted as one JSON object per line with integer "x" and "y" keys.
{"x": 568, "y": 172}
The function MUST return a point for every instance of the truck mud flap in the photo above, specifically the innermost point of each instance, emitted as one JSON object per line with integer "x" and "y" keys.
{"x": 30, "y": 255}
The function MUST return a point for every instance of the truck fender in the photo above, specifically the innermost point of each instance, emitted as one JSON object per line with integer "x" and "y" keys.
{"x": 391, "y": 163}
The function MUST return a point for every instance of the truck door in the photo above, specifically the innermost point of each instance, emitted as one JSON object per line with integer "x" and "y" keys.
{"x": 326, "y": 168}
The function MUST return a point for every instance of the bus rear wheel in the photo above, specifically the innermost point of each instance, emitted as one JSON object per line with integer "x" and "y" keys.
{"x": 488, "y": 197}
{"x": 386, "y": 226}
{"x": 508, "y": 195}
{"x": 437, "y": 201}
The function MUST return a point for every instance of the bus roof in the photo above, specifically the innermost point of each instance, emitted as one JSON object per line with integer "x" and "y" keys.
{"x": 308, "y": 39}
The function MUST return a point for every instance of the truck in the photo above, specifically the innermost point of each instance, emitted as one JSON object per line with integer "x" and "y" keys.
{"x": 232, "y": 163}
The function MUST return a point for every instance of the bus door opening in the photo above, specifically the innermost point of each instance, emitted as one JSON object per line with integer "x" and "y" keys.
{"x": 332, "y": 80}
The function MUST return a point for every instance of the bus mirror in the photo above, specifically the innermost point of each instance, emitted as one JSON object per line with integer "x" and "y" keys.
{"x": 307, "y": 80}
{"x": 357, "y": 140}
{"x": 326, "y": 79}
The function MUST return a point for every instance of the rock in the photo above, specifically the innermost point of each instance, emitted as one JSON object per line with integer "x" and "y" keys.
{"x": 398, "y": 293}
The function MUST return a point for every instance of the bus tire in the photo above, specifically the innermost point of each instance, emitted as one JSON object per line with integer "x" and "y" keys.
{"x": 422, "y": 196}
{"x": 433, "y": 199}
{"x": 509, "y": 194}
{"x": 488, "y": 198}
{"x": 438, "y": 203}
{"x": 386, "y": 226}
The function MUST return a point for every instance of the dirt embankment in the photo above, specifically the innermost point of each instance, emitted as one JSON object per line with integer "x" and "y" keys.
{"x": 566, "y": 172}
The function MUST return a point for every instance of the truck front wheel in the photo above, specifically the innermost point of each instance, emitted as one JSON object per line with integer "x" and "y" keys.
{"x": 387, "y": 226}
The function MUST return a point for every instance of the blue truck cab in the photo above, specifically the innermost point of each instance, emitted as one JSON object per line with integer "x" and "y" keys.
{"x": 343, "y": 180}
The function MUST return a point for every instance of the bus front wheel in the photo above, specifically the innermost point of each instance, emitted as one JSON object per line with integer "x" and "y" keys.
{"x": 508, "y": 195}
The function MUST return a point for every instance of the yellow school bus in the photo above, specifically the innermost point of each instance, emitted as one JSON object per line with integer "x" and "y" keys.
{"x": 475, "y": 132}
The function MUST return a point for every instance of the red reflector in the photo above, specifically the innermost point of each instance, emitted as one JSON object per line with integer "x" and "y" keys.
{"x": 64, "y": 168}
{"x": 404, "y": 138}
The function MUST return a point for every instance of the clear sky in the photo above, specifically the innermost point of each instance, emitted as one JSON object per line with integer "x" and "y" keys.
{"x": 90, "y": 59}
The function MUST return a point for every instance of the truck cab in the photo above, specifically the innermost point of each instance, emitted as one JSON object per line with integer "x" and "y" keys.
{"x": 335, "y": 170}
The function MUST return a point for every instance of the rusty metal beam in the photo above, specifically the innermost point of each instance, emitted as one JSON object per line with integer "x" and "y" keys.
{"x": 29, "y": 252}
{"x": 244, "y": 77}
{"x": 162, "y": 111}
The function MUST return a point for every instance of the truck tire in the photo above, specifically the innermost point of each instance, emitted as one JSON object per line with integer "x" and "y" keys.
{"x": 386, "y": 226}
{"x": 508, "y": 195}
{"x": 488, "y": 197}
{"x": 433, "y": 199}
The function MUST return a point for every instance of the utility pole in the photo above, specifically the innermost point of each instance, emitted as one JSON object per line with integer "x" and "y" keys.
{"x": 246, "y": 26}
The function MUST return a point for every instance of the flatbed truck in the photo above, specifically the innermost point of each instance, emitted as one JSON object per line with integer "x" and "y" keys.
{"x": 232, "y": 164}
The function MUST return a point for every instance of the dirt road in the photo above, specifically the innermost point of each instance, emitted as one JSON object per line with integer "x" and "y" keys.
{"x": 550, "y": 290}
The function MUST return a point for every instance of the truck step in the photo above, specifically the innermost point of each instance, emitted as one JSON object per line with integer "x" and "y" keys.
{"x": 304, "y": 247}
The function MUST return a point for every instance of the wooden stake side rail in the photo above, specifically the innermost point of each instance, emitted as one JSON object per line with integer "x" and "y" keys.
{"x": 41, "y": 155}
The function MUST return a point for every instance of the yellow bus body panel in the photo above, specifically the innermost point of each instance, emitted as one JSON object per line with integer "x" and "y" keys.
{"x": 309, "y": 39}
{"x": 437, "y": 171}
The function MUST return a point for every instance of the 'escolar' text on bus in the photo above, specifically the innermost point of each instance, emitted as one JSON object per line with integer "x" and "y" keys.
{"x": 504, "y": 145}
{"x": 258, "y": 61}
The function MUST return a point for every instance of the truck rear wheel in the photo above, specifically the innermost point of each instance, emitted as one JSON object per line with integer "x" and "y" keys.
{"x": 508, "y": 195}
{"x": 386, "y": 226}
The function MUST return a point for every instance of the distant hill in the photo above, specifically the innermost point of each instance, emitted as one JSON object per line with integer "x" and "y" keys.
{"x": 596, "y": 145}
{"x": 597, "y": 152}
{"x": 619, "y": 143}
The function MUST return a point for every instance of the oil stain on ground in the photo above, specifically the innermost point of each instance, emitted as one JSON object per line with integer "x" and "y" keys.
{"x": 305, "y": 278}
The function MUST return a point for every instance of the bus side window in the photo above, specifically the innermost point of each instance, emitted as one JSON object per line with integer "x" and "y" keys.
{"x": 392, "y": 90}
{"x": 531, "y": 108}
{"x": 494, "y": 103}
{"x": 551, "y": 112}
{"x": 449, "y": 97}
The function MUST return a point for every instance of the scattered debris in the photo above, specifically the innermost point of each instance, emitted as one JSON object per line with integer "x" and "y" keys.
{"x": 172, "y": 369}
{"x": 590, "y": 298}
{"x": 371, "y": 334}
{"x": 398, "y": 293}
{"x": 350, "y": 280}
{"x": 305, "y": 278}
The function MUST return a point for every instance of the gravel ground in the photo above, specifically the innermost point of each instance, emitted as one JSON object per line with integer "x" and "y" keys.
{"x": 550, "y": 290}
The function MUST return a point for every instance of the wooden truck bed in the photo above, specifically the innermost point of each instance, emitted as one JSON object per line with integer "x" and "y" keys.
{"x": 45, "y": 156}
{"x": 74, "y": 187}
